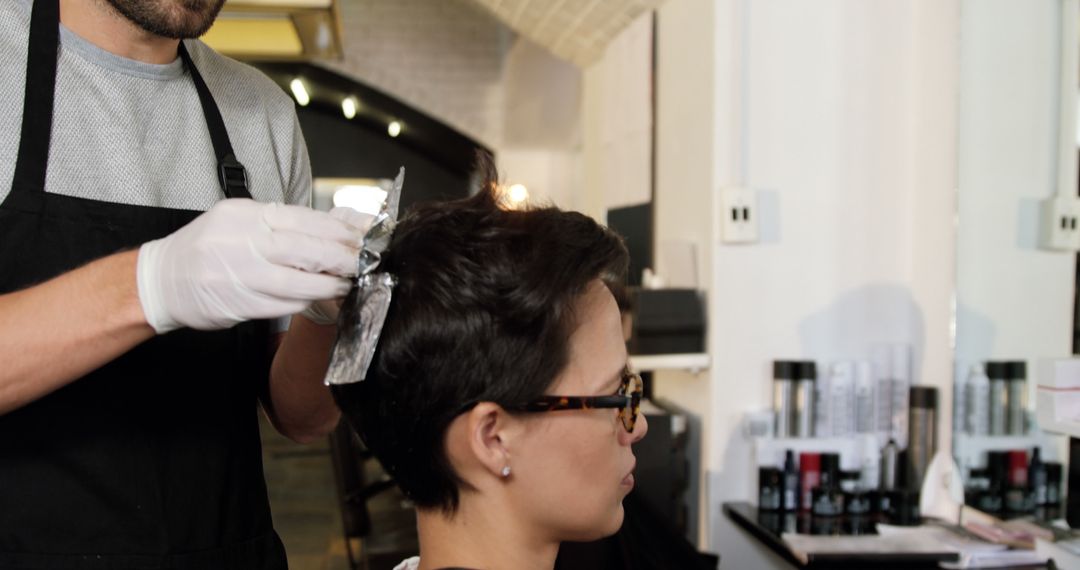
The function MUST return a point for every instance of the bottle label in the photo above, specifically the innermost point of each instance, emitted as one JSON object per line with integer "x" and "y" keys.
{"x": 1015, "y": 500}
{"x": 810, "y": 480}
{"x": 990, "y": 503}
{"x": 826, "y": 506}
{"x": 769, "y": 499}
{"x": 859, "y": 505}
{"x": 791, "y": 491}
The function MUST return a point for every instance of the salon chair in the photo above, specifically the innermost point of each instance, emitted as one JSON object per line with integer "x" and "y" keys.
{"x": 353, "y": 489}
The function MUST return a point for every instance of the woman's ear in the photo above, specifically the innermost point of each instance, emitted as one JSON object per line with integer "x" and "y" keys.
{"x": 491, "y": 437}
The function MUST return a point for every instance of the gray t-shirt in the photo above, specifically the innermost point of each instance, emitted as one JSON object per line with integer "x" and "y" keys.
{"x": 131, "y": 132}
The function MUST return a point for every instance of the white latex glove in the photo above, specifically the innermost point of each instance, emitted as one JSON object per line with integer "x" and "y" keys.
{"x": 244, "y": 260}
{"x": 325, "y": 312}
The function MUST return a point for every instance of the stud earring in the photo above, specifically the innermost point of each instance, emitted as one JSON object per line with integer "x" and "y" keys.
{"x": 506, "y": 471}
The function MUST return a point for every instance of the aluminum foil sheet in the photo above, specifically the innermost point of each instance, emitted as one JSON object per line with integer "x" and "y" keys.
{"x": 363, "y": 312}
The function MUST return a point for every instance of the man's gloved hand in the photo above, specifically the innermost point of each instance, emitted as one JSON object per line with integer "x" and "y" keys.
{"x": 245, "y": 260}
{"x": 325, "y": 312}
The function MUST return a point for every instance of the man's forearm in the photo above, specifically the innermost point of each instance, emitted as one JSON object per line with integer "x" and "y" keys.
{"x": 62, "y": 329}
{"x": 301, "y": 407}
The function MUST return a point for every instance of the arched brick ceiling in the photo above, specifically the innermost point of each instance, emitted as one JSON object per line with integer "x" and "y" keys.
{"x": 575, "y": 30}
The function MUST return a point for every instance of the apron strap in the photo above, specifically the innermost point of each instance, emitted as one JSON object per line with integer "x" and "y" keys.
{"x": 37, "y": 118}
{"x": 231, "y": 174}
{"x": 39, "y": 95}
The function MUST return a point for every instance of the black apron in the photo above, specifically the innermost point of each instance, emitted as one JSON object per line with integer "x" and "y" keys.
{"x": 153, "y": 460}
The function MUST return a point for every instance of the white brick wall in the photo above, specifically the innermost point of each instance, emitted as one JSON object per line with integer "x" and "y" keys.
{"x": 444, "y": 57}
{"x": 577, "y": 30}
{"x": 458, "y": 63}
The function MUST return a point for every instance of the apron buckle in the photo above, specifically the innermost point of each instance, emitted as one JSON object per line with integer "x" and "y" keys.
{"x": 233, "y": 176}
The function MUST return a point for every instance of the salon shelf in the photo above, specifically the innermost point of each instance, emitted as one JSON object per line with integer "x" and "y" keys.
{"x": 1071, "y": 429}
{"x": 969, "y": 451}
{"x": 692, "y": 362}
{"x": 768, "y": 528}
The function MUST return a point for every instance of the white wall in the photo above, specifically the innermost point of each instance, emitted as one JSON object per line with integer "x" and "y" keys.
{"x": 552, "y": 175}
{"x": 618, "y": 123}
{"x": 1013, "y": 300}
{"x": 682, "y": 209}
{"x": 541, "y": 134}
{"x": 842, "y": 114}
{"x": 444, "y": 57}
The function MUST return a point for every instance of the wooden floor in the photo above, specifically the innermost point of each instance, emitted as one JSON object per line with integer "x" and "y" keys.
{"x": 304, "y": 502}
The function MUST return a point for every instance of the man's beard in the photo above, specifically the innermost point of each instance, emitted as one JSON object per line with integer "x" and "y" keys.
{"x": 176, "y": 19}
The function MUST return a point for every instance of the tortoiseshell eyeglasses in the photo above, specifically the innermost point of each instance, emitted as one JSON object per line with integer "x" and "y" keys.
{"x": 627, "y": 401}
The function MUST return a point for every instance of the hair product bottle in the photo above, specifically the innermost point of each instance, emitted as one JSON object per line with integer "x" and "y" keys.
{"x": 1053, "y": 483}
{"x": 842, "y": 399}
{"x": 922, "y": 433}
{"x": 865, "y": 408}
{"x": 769, "y": 490}
{"x": 805, "y": 380}
{"x": 880, "y": 356}
{"x": 889, "y": 459}
{"x": 790, "y": 483}
{"x": 999, "y": 395}
{"x": 900, "y": 362}
{"x": 822, "y": 406}
{"x": 784, "y": 397}
{"x": 978, "y": 401}
{"x": 1017, "y": 488}
{"x": 828, "y": 497}
{"x": 1016, "y": 422}
{"x": 809, "y": 477}
{"x": 1037, "y": 478}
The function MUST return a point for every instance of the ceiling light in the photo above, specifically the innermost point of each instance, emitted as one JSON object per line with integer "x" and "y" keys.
{"x": 300, "y": 92}
{"x": 393, "y": 129}
{"x": 348, "y": 107}
{"x": 362, "y": 198}
{"x": 323, "y": 37}
{"x": 517, "y": 194}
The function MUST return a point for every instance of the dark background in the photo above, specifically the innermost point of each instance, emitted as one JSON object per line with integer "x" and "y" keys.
{"x": 438, "y": 159}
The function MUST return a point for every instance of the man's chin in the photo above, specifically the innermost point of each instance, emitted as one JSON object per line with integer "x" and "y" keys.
{"x": 174, "y": 19}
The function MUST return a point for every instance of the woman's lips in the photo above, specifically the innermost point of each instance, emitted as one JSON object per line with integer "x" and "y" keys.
{"x": 628, "y": 480}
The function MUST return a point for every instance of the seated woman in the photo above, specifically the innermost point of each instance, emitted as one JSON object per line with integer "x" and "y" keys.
{"x": 500, "y": 398}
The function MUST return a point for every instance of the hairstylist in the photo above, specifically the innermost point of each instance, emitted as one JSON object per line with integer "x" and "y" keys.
{"x": 144, "y": 250}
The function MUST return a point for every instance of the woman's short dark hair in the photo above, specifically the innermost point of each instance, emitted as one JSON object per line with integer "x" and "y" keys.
{"x": 482, "y": 311}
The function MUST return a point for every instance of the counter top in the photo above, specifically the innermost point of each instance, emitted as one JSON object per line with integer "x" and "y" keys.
{"x": 767, "y": 527}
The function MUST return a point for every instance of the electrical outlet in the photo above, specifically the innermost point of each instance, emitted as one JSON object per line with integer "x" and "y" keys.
{"x": 1060, "y": 224}
{"x": 739, "y": 215}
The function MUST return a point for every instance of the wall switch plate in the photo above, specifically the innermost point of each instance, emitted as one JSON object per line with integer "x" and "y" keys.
{"x": 1060, "y": 224}
{"x": 738, "y": 215}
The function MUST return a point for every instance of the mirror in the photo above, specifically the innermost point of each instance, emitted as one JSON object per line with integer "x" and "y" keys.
{"x": 1014, "y": 304}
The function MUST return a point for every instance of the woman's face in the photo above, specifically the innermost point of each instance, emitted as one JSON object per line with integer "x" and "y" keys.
{"x": 574, "y": 467}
